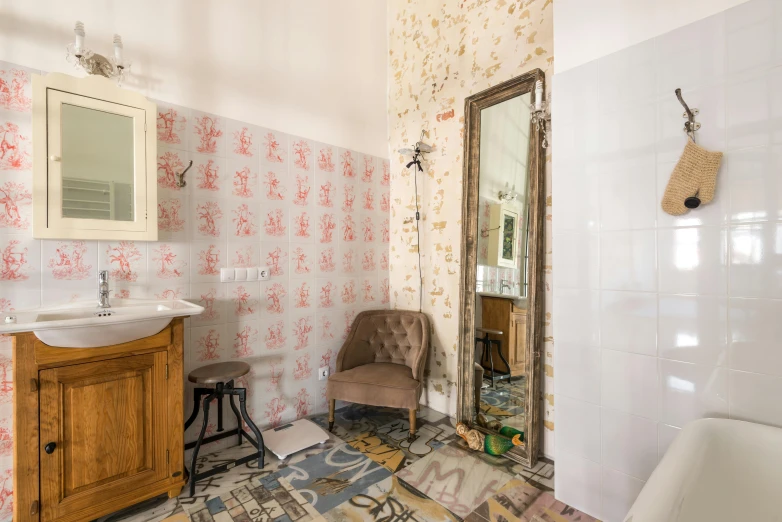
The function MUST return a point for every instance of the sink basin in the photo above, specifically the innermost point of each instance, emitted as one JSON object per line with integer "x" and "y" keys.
{"x": 83, "y": 325}
{"x": 716, "y": 470}
{"x": 519, "y": 301}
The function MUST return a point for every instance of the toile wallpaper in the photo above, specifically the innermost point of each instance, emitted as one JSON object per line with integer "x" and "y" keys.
{"x": 315, "y": 214}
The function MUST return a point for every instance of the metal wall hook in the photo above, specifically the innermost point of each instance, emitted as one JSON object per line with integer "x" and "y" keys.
{"x": 180, "y": 182}
{"x": 485, "y": 233}
{"x": 690, "y": 126}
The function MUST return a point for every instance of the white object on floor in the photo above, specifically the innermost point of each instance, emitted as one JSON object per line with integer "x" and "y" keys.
{"x": 716, "y": 470}
{"x": 292, "y": 437}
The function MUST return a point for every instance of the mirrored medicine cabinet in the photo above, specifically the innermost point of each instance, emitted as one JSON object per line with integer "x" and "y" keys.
{"x": 94, "y": 149}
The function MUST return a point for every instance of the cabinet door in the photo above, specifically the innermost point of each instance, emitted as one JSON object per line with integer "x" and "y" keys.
{"x": 107, "y": 420}
{"x": 97, "y": 188}
{"x": 518, "y": 343}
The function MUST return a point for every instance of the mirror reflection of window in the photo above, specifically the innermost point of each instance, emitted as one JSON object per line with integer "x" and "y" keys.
{"x": 504, "y": 160}
{"x": 97, "y": 164}
{"x": 508, "y": 236}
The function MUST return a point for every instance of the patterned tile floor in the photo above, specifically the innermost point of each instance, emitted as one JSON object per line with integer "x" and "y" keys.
{"x": 505, "y": 400}
{"x": 367, "y": 471}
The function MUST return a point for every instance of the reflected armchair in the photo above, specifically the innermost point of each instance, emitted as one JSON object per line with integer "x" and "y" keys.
{"x": 382, "y": 362}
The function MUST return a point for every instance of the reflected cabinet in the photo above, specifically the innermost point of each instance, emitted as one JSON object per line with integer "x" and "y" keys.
{"x": 504, "y": 315}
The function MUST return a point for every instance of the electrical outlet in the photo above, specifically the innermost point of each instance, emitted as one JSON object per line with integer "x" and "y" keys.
{"x": 263, "y": 273}
{"x": 323, "y": 373}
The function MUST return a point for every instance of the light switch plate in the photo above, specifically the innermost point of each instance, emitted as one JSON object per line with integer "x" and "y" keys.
{"x": 263, "y": 273}
{"x": 323, "y": 373}
{"x": 227, "y": 275}
{"x": 252, "y": 274}
{"x": 241, "y": 274}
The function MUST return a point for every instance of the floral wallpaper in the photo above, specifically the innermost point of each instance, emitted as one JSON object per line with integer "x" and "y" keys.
{"x": 439, "y": 54}
{"x": 315, "y": 214}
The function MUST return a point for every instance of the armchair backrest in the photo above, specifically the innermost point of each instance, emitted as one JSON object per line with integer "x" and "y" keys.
{"x": 393, "y": 336}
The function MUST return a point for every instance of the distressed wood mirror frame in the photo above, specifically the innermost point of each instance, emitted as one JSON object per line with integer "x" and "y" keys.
{"x": 527, "y": 454}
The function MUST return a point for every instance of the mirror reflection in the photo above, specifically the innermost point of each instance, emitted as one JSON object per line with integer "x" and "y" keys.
{"x": 97, "y": 164}
{"x": 501, "y": 280}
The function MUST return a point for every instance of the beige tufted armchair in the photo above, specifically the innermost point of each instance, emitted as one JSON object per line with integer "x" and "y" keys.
{"x": 382, "y": 362}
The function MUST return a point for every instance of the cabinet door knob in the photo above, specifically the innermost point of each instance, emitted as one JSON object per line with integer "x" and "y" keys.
{"x": 49, "y": 448}
{"x": 54, "y": 158}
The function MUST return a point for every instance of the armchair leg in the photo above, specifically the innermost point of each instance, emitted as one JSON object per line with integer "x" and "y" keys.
{"x": 332, "y": 404}
{"x": 411, "y": 437}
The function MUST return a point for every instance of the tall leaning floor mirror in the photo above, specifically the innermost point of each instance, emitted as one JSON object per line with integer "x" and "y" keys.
{"x": 501, "y": 316}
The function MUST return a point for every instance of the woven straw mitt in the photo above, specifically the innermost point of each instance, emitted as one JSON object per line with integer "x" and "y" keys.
{"x": 694, "y": 175}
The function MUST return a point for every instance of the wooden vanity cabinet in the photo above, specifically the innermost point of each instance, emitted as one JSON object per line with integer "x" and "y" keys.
{"x": 96, "y": 429}
{"x": 502, "y": 314}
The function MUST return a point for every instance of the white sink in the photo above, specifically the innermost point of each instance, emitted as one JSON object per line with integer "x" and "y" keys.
{"x": 84, "y": 325}
{"x": 716, "y": 470}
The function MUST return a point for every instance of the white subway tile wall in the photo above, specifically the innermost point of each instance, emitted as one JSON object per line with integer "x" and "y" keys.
{"x": 660, "y": 320}
{"x": 317, "y": 215}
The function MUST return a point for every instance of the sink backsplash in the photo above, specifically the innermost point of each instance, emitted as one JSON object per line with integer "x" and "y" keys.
{"x": 316, "y": 214}
{"x": 490, "y": 279}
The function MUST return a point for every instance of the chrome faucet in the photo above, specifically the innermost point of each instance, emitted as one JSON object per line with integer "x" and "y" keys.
{"x": 504, "y": 284}
{"x": 103, "y": 289}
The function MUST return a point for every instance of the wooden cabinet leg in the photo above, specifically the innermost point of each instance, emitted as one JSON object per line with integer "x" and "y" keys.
{"x": 173, "y": 493}
{"x": 411, "y": 438}
{"x": 332, "y": 405}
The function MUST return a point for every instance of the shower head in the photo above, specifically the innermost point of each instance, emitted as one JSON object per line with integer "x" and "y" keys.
{"x": 407, "y": 151}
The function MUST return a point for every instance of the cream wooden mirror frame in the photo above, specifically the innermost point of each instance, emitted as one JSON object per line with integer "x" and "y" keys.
{"x": 50, "y": 94}
{"x": 527, "y": 454}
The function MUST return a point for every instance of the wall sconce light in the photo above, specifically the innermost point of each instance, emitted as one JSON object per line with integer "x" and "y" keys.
{"x": 417, "y": 153}
{"x": 508, "y": 195}
{"x": 93, "y": 63}
{"x": 541, "y": 112}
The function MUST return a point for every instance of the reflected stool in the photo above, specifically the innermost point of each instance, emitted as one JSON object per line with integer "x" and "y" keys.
{"x": 487, "y": 346}
{"x": 222, "y": 376}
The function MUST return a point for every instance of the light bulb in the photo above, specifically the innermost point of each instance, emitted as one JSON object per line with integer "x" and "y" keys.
{"x": 118, "y": 49}
{"x": 538, "y": 95}
{"x": 78, "y": 30}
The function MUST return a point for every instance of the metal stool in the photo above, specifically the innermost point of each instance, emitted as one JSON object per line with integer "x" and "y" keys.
{"x": 487, "y": 344}
{"x": 222, "y": 376}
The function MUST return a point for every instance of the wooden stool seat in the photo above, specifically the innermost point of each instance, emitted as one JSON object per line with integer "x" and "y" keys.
{"x": 219, "y": 372}
{"x": 491, "y": 331}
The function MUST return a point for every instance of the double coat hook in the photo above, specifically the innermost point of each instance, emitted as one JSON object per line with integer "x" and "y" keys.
{"x": 690, "y": 126}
